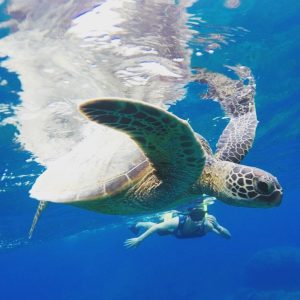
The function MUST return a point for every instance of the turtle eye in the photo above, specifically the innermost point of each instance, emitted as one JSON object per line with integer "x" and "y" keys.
{"x": 264, "y": 187}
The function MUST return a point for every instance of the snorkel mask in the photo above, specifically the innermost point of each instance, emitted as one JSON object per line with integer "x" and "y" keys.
{"x": 200, "y": 211}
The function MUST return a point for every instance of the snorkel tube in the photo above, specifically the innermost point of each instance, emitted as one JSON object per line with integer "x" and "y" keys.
{"x": 205, "y": 203}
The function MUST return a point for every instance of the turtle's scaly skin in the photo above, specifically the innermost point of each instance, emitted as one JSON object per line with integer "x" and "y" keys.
{"x": 254, "y": 187}
{"x": 238, "y": 185}
{"x": 237, "y": 100}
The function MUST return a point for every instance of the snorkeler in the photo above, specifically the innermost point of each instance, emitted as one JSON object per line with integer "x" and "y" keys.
{"x": 195, "y": 223}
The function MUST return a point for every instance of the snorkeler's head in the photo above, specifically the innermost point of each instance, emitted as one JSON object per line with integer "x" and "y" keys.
{"x": 197, "y": 213}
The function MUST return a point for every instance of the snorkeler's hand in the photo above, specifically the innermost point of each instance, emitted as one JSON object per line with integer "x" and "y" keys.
{"x": 212, "y": 220}
{"x": 225, "y": 233}
{"x": 132, "y": 243}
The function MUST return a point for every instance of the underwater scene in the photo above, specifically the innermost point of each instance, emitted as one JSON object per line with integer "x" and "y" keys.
{"x": 149, "y": 149}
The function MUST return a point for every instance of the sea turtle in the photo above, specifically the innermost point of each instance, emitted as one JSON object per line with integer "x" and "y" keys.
{"x": 176, "y": 164}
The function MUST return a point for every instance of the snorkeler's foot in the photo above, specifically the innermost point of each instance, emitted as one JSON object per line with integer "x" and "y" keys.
{"x": 134, "y": 229}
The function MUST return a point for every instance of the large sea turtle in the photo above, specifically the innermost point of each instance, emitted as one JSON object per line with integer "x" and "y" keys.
{"x": 176, "y": 164}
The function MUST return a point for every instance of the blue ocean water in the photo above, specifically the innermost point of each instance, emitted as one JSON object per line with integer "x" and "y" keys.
{"x": 77, "y": 254}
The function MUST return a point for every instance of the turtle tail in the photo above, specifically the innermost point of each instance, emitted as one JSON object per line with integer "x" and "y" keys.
{"x": 41, "y": 207}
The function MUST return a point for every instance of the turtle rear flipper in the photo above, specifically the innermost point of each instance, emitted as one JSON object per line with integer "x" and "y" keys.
{"x": 236, "y": 97}
{"x": 41, "y": 207}
{"x": 168, "y": 142}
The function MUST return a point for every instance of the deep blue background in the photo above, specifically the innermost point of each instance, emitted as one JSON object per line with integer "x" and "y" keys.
{"x": 61, "y": 264}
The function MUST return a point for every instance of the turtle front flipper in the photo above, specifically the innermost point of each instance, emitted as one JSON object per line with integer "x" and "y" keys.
{"x": 236, "y": 97}
{"x": 168, "y": 142}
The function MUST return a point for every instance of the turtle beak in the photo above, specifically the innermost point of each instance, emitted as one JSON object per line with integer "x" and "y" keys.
{"x": 276, "y": 198}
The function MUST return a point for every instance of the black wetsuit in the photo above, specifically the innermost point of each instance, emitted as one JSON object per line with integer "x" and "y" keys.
{"x": 182, "y": 232}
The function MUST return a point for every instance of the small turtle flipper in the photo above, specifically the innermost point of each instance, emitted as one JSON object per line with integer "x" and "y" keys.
{"x": 41, "y": 207}
{"x": 236, "y": 97}
{"x": 167, "y": 141}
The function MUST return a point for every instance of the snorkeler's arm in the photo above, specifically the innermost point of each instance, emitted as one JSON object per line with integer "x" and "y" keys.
{"x": 168, "y": 225}
{"x": 217, "y": 228}
{"x": 223, "y": 232}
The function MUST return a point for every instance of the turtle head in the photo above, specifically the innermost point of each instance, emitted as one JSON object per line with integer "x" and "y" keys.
{"x": 252, "y": 187}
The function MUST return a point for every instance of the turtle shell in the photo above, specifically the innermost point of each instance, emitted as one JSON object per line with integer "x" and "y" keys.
{"x": 111, "y": 161}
